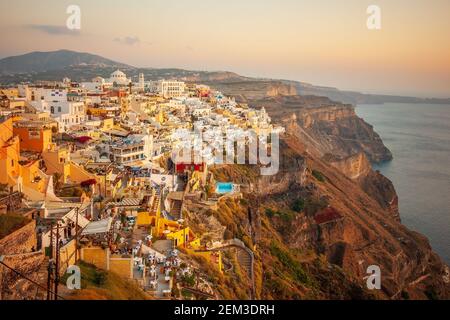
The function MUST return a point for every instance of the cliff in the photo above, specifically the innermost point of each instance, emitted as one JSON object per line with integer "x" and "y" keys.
{"x": 316, "y": 231}
{"x": 326, "y": 216}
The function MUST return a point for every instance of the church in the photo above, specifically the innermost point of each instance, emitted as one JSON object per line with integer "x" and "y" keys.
{"x": 119, "y": 78}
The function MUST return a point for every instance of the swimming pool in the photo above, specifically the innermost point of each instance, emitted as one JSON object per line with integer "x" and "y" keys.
{"x": 224, "y": 187}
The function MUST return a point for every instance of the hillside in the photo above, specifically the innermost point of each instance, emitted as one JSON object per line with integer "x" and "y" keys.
{"x": 50, "y": 61}
{"x": 98, "y": 284}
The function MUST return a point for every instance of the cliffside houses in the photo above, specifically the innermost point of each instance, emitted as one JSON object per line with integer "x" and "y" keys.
{"x": 96, "y": 160}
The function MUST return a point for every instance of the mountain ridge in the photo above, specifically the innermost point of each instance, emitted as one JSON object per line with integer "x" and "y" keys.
{"x": 83, "y": 66}
{"x": 41, "y": 61}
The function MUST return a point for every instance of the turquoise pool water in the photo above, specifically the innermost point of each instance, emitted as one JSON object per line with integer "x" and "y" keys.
{"x": 224, "y": 187}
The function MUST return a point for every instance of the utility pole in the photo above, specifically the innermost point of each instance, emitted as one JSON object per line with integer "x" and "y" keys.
{"x": 76, "y": 235}
{"x": 57, "y": 262}
{"x": 50, "y": 262}
{"x": 1, "y": 278}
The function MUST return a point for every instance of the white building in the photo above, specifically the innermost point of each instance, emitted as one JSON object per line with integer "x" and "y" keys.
{"x": 134, "y": 148}
{"x": 119, "y": 78}
{"x": 141, "y": 83}
{"x": 56, "y": 103}
{"x": 168, "y": 88}
{"x": 96, "y": 85}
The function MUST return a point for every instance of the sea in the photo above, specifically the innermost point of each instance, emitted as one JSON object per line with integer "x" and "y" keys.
{"x": 418, "y": 136}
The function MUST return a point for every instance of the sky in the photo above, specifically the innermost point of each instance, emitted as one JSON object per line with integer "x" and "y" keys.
{"x": 323, "y": 42}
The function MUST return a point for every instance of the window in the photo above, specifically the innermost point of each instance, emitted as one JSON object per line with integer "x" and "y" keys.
{"x": 52, "y": 110}
{"x": 59, "y": 109}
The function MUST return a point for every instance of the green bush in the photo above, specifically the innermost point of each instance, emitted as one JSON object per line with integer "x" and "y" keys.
{"x": 292, "y": 265}
{"x": 100, "y": 278}
{"x": 298, "y": 205}
{"x": 287, "y": 216}
{"x": 189, "y": 280}
{"x": 270, "y": 213}
{"x": 318, "y": 175}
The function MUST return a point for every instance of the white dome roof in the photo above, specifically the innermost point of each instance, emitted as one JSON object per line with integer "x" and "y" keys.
{"x": 118, "y": 74}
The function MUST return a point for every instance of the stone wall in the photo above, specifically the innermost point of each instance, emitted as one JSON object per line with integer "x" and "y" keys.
{"x": 15, "y": 287}
{"x": 22, "y": 240}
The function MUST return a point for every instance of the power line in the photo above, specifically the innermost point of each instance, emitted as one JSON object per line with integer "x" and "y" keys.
{"x": 31, "y": 280}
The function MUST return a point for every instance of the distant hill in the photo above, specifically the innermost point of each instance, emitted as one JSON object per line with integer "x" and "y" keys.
{"x": 80, "y": 66}
{"x": 55, "y": 60}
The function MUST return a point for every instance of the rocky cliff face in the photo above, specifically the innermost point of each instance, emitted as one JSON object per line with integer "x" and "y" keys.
{"x": 326, "y": 202}
{"x": 336, "y": 130}
{"x": 339, "y": 221}
{"x": 334, "y": 133}
{"x": 354, "y": 167}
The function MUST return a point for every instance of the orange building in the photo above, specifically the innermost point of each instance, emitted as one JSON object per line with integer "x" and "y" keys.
{"x": 33, "y": 136}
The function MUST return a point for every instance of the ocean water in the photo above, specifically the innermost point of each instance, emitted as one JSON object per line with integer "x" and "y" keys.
{"x": 419, "y": 137}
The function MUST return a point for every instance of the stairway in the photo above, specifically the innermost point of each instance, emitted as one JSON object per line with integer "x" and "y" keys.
{"x": 245, "y": 261}
{"x": 175, "y": 212}
{"x": 156, "y": 201}
{"x": 41, "y": 294}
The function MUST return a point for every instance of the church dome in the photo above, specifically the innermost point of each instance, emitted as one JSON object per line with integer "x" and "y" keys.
{"x": 118, "y": 74}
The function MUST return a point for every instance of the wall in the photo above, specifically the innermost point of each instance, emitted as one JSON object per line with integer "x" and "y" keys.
{"x": 97, "y": 256}
{"x": 121, "y": 266}
{"x": 13, "y": 287}
{"x": 144, "y": 219}
{"x": 78, "y": 174}
{"x": 67, "y": 256}
{"x": 20, "y": 241}
{"x": 34, "y": 139}
{"x": 179, "y": 236}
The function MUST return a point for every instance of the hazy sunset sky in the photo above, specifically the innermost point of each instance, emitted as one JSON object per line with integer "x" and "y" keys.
{"x": 323, "y": 42}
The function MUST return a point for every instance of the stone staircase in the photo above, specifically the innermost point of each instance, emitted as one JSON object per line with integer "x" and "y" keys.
{"x": 245, "y": 261}
{"x": 245, "y": 257}
{"x": 156, "y": 202}
{"x": 176, "y": 209}
{"x": 41, "y": 294}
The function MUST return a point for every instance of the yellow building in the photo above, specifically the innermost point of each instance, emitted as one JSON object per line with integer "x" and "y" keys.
{"x": 108, "y": 124}
{"x": 57, "y": 160}
{"x": 96, "y": 112}
{"x": 25, "y": 177}
{"x": 11, "y": 93}
{"x": 9, "y": 153}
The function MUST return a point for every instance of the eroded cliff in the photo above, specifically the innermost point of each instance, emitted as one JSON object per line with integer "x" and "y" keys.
{"x": 326, "y": 216}
{"x": 319, "y": 231}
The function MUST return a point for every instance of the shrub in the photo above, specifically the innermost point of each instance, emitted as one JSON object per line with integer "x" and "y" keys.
{"x": 189, "y": 280}
{"x": 318, "y": 175}
{"x": 298, "y": 205}
{"x": 294, "y": 267}
{"x": 100, "y": 278}
{"x": 270, "y": 213}
{"x": 287, "y": 216}
{"x": 405, "y": 295}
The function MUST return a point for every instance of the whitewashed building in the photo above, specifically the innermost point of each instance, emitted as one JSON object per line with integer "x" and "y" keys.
{"x": 168, "y": 88}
